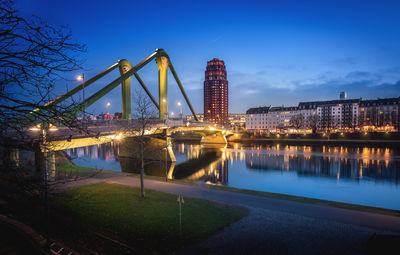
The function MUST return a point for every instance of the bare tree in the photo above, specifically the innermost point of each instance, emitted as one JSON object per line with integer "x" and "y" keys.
{"x": 313, "y": 121}
{"x": 297, "y": 121}
{"x": 34, "y": 56}
{"x": 138, "y": 145}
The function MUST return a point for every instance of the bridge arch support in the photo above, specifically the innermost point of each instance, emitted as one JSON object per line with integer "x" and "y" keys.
{"x": 162, "y": 64}
{"x": 126, "y": 71}
{"x": 125, "y": 66}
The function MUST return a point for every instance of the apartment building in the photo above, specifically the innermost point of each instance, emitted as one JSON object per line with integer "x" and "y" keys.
{"x": 343, "y": 114}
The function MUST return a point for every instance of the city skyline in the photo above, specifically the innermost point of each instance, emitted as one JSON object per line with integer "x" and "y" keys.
{"x": 200, "y": 127}
{"x": 276, "y": 54}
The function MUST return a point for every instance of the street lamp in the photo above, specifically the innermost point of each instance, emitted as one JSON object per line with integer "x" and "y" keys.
{"x": 172, "y": 115}
{"x": 108, "y": 105}
{"x": 44, "y": 128}
{"x": 81, "y": 77}
{"x": 180, "y": 112}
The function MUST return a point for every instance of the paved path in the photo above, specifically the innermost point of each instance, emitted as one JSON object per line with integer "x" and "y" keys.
{"x": 280, "y": 226}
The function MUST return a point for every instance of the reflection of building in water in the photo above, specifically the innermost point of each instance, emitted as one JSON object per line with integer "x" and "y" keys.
{"x": 107, "y": 151}
{"x": 329, "y": 163}
{"x": 217, "y": 172}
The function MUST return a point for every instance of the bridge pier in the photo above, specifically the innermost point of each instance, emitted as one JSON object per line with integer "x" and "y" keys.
{"x": 14, "y": 158}
{"x": 155, "y": 149}
{"x": 216, "y": 138}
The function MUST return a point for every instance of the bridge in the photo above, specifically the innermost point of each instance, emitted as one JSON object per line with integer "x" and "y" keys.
{"x": 98, "y": 132}
{"x": 158, "y": 130}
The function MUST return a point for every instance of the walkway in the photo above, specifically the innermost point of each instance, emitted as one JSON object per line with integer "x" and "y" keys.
{"x": 274, "y": 225}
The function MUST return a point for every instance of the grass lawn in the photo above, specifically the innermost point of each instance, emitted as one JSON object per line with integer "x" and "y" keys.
{"x": 148, "y": 224}
{"x": 70, "y": 170}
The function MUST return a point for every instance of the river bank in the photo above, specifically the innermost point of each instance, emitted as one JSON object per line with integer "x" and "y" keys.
{"x": 333, "y": 139}
{"x": 307, "y": 141}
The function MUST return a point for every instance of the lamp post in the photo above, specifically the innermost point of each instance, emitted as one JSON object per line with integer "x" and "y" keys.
{"x": 180, "y": 112}
{"x": 108, "y": 105}
{"x": 44, "y": 128}
{"x": 172, "y": 115}
{"x": 81, "y": 77}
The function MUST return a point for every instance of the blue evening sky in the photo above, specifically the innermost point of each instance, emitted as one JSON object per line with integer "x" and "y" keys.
{"x": 276, "y": 52}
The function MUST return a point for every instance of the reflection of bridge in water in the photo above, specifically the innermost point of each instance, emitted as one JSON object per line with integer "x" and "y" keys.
{"x": 201, "y": 162}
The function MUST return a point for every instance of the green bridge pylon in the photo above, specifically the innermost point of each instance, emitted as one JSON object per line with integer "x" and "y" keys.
{"x": 126, "y": 71}
{"x": 125, "y": 66}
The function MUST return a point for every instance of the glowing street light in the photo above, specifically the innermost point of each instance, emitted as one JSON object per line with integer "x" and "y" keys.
{"x": 81, "y": 77}
{"x": 180, "y": 112}
{"x": 172, "y": 115}
{"x": 108, "y": 105}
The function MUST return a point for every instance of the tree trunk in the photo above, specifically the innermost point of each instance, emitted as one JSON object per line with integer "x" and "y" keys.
{"x": 142, "y": 170}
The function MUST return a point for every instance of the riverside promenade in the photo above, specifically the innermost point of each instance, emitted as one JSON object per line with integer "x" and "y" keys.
{"x": 274, "y": 226}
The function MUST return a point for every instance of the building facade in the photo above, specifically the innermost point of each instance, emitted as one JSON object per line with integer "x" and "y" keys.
{"x": 256, "y": 118}
{"x": 234, "y": 119}
{"x": 216, "y": 92}
{"x": 332, "y": 115}
{"x": 380, "y": 112}
{"x": 338, "y": 114}
{"x": 237, "y": 120}
{"x": 269, "y": 118}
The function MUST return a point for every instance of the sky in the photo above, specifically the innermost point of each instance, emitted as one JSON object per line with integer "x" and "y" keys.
{"x": 276, "y": 52}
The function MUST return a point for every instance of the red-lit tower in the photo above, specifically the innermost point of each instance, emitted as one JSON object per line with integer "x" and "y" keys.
{"x": 216, "y": 92}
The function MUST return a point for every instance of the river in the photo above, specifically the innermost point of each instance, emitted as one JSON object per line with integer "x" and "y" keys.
{"x": 351, "y": 174}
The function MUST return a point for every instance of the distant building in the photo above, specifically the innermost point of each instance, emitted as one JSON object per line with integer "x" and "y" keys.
{"x": 343, "y": 95}
{"x": 380, "y": 112}
{"x": 216, "y": 92}
{"x": 200, "y": 117}
{"x": 335, "y": 114}
{"x": 234, "y": 119}
{"x": 118, "y": 115}
{"x": 92, "y": 117}
{"x": 269, "y": 118}
{"x": 106, "y": 116}
{"x": 344, "y": 114}
{"x": 237, "y": 120}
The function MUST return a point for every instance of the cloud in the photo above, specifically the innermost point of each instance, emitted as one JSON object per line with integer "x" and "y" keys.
{"x": 345, "y": 61}
{"x": 216, "y": 39}
{"x": 250, "y": 91}
{"x": 358, "y": 84}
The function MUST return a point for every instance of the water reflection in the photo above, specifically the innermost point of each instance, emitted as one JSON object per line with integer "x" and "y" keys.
{"x": 325, "y": 161}
{"x": 195, "y": 162}
{"x": 208, "y": 164}
{"x": 104, "y": 156}
{"x": 335, "y": 162}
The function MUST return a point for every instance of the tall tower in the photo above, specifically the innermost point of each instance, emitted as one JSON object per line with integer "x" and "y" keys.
{"x": 216, "y": 92}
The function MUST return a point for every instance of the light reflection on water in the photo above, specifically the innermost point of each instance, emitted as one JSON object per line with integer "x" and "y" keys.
{"x": 360, "y": 175}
